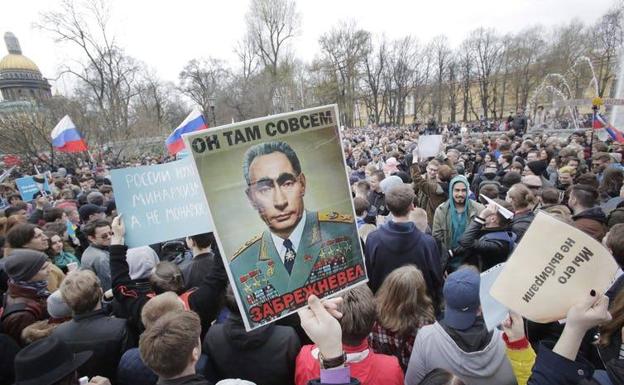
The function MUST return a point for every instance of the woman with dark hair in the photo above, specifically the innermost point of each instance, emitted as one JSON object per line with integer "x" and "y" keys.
{"x": 60, "y": 257}
{"x": 29, "y": 236}
{"x": 403, "y": 307}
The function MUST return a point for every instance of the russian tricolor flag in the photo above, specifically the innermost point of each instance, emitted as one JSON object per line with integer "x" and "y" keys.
{"x": 66, "y": 138}
{"x": 194, "y": 122}
{"x": 600, "y": 122}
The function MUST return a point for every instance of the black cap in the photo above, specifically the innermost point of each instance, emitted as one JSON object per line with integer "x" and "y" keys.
{"x": 89, "y": 209}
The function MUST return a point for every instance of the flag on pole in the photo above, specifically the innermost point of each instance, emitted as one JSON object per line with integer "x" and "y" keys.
{"x": 193, "y": 122}
{"x": 600, "y": 122}
{"x": 66, "y": 138}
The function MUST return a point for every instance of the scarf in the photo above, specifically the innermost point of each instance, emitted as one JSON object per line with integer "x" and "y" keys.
{"x": 458, "y": 220}
{"x": 40, "y": 287}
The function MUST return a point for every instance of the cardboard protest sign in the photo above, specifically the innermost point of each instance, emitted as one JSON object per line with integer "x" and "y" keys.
{"x": 494, "y": 312}
{"x": 504, "y": 212}
{"x": 29, "y": 186}
{"x": 279, "y": 196}
{"x": 160, "y": 202}
{"x": 429, "y": 145}
{"x": 552, "y": 268}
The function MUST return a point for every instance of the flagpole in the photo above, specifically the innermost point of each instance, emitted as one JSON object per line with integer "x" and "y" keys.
{"x": 591, "y": 141}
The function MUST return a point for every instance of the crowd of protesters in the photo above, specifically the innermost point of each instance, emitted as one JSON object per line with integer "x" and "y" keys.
{"x": 76, "y": 302}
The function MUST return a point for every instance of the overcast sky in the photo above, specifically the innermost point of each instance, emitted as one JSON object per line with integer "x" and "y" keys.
{"x": 167, "y": 34}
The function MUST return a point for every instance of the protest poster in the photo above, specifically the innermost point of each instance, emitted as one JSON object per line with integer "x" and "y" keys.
{"x": 160, "y": 202}
{"x": 279, "y": 197}
{"x": 429, "y": 145}
{"x": 494, "y": 313}
{"x": 552, "y": 268}
{"x": 29, "y": 186}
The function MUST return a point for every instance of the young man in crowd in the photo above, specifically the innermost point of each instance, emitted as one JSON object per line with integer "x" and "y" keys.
{"x": 97, "y": 257}
{"x": 171, "y": 348}
{"x": 91, "y": 328}
{"x": 194, "y": 270}
{"x": 376, "y": 196}
{"x": 460, "y": 342}
{"x": 452, "y": 217}
{"x": 588, "y": 216}
{"x": 358, "y": 316}
{"x": 398, "y": 242}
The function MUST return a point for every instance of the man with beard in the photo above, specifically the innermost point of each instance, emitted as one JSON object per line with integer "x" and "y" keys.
{"x": 453, "y": 216}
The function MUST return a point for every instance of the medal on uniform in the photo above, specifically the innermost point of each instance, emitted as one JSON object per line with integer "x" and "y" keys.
{"x": 289, "y": 256}
{"x": 270, "y": 270}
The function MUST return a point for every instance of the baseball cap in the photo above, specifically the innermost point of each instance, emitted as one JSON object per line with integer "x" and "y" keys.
{"x": 461, "y": 292}
{"x": 89, "y": 209}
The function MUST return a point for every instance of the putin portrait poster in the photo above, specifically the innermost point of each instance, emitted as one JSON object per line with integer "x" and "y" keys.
{"x": 280, "y": 202}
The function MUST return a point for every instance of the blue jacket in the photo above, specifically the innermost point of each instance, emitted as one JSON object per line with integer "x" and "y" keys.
{"x": 553, "y": 369}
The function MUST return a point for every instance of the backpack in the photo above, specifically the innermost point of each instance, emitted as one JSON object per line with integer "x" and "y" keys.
{"x": 504, "y": 236}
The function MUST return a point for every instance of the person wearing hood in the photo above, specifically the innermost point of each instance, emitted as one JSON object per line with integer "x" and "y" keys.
{"x": 588, "y": 217}
{"x": 452, "y": 217}
{"x": 269, "y": 351}
{"x": 460, "y": 342}
{"x": 398, "y": 243}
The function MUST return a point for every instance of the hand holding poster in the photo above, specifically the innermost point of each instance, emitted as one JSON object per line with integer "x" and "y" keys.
{"x": 29, "y": 186}
{"x": 160, "y": 202}
{"x": 278, "y": 247}
{"x": 554, "y": 266}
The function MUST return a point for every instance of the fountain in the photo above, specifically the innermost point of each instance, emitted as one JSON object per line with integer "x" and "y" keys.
{"x": 557, "y": 83}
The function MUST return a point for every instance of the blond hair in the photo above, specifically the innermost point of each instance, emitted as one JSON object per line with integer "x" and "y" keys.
{"x": 159, "y": 306}
{"x": 81, "y": 291}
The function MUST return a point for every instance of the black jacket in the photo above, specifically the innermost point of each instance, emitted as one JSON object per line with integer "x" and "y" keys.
{"x": 264, "y": 356}
{"x": 106, "y": 336}
{"x": 205, "y": 300}
{"x": 194, "y": 379}
{"x": 398, "y": 244}
{"x": 194, "y": 270}
{"x": 483, "y": 247}
{"x": 521, "y": 223}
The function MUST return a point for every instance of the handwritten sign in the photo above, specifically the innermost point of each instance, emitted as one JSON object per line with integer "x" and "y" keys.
{"x": 554, "y": 266}
{"x": 29, "y": 187}
{"x": 161, "y": 202}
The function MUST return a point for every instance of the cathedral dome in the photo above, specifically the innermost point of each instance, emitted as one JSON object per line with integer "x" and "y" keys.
{"x": 12, "y": 62}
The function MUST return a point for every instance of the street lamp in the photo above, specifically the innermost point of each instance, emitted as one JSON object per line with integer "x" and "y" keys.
{"x": 211, "y": 102}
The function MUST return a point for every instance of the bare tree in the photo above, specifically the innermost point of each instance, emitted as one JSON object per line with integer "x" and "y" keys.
{"x": 441, "y": 53}
{"x": 486, "y": 47}
{"x": 107, "y": 76}
{"x": 271, "y": 24}
{"x": 374, "y": 66}
{"x": 201, "y": 80}
{"x": 345, "y": 48}
{"x": 608, "y": 35}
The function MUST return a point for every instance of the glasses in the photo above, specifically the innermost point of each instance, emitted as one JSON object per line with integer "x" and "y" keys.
{"x": 106, "y": 235}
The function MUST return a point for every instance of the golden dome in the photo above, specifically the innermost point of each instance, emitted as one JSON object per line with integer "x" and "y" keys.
{"x": 17, "y": 62}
